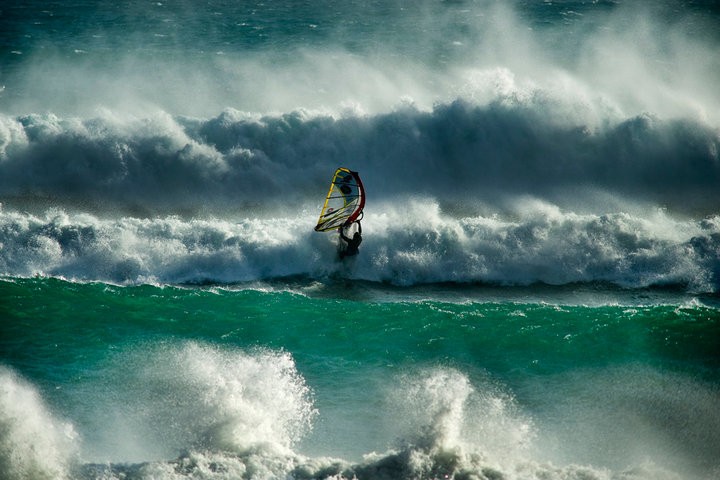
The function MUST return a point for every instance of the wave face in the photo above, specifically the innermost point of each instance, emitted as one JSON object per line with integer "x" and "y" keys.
{"x": 460, "y": 154}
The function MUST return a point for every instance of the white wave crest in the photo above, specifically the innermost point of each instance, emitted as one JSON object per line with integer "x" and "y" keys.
{"x": 459, "y": 153}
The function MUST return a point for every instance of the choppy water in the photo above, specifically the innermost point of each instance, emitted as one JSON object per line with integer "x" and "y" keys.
{"x": 298, "y": 380}
{"x": 537, "y": 290}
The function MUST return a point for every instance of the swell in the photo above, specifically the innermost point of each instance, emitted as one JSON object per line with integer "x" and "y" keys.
{"x": 510, "y": 336}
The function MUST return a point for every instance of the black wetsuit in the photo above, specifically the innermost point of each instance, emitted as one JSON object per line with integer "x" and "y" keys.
{"x": 353, "y": 244}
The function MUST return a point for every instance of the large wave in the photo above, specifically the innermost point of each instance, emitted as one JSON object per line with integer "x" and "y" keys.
{"x": 625, "y": 107}
{"x": 463, "y": 193}
{"x": 458, "y": 153}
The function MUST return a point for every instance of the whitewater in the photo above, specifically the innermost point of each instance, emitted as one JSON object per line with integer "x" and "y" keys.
{"x": 536, "y": 294}
{"x": 497, "y": 155}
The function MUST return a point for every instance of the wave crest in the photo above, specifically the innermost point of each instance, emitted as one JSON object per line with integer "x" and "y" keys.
{"x": 460, "y": 153}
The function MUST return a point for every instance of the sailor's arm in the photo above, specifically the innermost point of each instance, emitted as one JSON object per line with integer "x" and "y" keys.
{"x": 342, "y": 234}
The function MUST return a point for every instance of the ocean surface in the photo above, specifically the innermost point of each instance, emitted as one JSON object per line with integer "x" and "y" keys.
{"x": 537, "y": 295}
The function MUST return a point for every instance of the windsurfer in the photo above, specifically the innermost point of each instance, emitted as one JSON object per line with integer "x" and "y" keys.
{"x": 352, "y": 245}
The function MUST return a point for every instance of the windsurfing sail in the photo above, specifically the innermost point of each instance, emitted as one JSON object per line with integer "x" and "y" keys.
{"x": 344, "y": 202}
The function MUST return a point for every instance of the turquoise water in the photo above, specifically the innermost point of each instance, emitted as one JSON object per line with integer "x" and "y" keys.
{"x": 536, "y": 294}
{"x": 139, "y": 376}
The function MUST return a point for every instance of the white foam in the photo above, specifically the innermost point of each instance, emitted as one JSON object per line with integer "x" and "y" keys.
{"x": 442, "y": 411}
{"x": 408, "y": 244}
{"x": 229, "y": 414}
{"x": 165, "y": 400}
{"x": 33, "y": 442}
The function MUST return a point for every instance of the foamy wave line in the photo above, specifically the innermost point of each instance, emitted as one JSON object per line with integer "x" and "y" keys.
{"x": 412, "y": 243}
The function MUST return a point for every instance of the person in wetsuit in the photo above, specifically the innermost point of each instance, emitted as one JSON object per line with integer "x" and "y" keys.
{"x": 352, "y": 244}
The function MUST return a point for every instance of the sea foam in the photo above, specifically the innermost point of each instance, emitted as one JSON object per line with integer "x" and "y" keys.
{"x": 416, "y": 244}
{"x": 34, "y": 443}
{"x": 164, "y": 400}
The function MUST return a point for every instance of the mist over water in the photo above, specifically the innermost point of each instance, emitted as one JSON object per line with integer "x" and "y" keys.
{"x": 536, "y": 292}
{"x": 197, "y": 60}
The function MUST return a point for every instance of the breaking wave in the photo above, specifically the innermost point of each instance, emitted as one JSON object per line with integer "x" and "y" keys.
{"x": 158, "y": 400}
{"x": 419, "y": 244}
{"x": 459, "y": 153}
